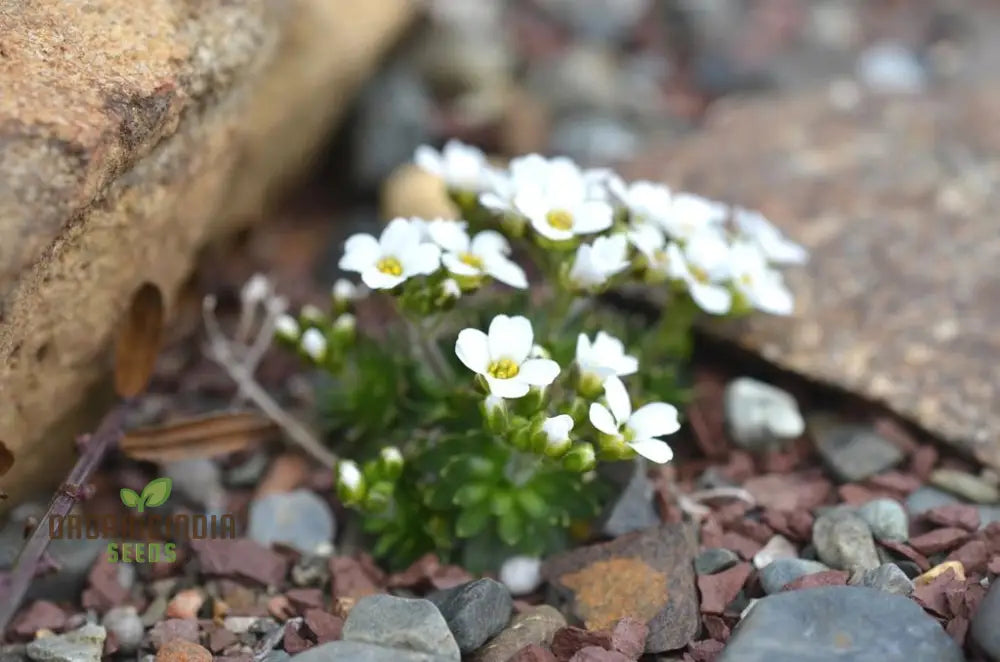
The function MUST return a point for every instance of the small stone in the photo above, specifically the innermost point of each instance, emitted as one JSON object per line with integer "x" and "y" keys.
{"x": 533, "y": 653}
{"x": 83, "y": 645}
{"x": 199, "y": 481}
{"x": 839, "y": 622}
{"x": 984, "y": 628}
{"x": 358, "y": 651}
{"x": 299, "y": 519}
{"x": 715, "y": 559}
{"x": 41, "y": 615}
{"x": 324, "y": 625}
{"x": 240, "y": 557}
{"x": 960, "y": 515}
{"x": 973, "y": 555}
{"x": 568, "y": 640}
{"x": 597, "y": 654}
{"x": 521, "y": 574}
{"x": 647, "y": 575}
{"x": 938, "y": 570}
{"x": 887, "y": 519}
{"x": 350, "y": 579}
{"x": 891, "y": 68}
{"x": 220, "y": 639}
{"x": 926, "y": 498}
{"x": 888, "y": 577}
{"x": 720, "y": 589}
{"x": 310, "y": 571}
{"x": 760, "y": 416}
{"x": 173, "y": 628}
{"x": 411, "y": 191}
{"x": 403, "y": 623}
{"x": 126, "y": 626}
{"x": 249, "y": 472}
{"x": 778, "y": 547}
{"x": 535, "y": 626}
{"x": 844, "y": 541}
{"x": 179, "y": 650}
{"x": 594, "y": 138}
{"x": 852, "y": 452}
{"x": 775, "y": 575}
{"x": 239, "y": 624}
{"x": 939, "y": 540}
{"x": 186, "y": 604}
{"x": 965, "y": 485}
{"x": 817, "y": 579}
{"x": 633, "y": 510}
{"x": 628, "y": 637}
{"x": 475, "y": 611}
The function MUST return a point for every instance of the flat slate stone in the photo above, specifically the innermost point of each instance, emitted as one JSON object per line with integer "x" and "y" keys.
{"x": 896, "y": 199}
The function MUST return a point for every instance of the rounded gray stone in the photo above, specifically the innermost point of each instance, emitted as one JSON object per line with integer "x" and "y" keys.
{"x": 125, "y": 624}
{"x": 779, "y": 572}
{"x": 887, "y": 519}
{"x": 986, "y": 622}
{"x": 759, "y": 415}
{"x": 299, "y": 519}
{"x": 844, "y": 541}
{"x": 925, "y": 498}
{"x": 888, "y": 577}
{"x": 474, "y": 611}
{"x": 715, "y": 559}
{"x": 401, "y": 623}
{"x": 965, "y": 485}
{"x": 853, "y": 452}
{"x": 357, "y": 651}
{"x": 839, "y": 623}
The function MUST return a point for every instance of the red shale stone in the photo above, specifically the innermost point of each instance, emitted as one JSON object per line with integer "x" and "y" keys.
{"x": 241, "y": 557}
{"x": 802, "y": 490}
{"x": 716, "y": 627}
{"x": 960, "y": 515}
{"x": 41, "y": 614}
{"x": 895, "y": 481}
{"x": 939, "y": 540}
{"x": 305, "y": 598}
{"x": 923, "y": 461}
{"x": 568, "y": 640}
{"x": 349, "y": 579}
{"x": 815, "y": 580}
{"x": 973, "y": 556}
{"x": 179, "y": 650}
{"x": 907, "y": 552}
{"x": 533, "y": 653}
{"x": 706, "y": 650}
{"x": 598, "y": 654}
{"x": 720, "y": 589}
{"x": 932, "y": 594}
{"x": 628, "y": 637}
{"x": 324, "y": 625}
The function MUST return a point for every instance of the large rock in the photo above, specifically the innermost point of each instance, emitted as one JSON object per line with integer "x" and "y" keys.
{"x": 896, "y": 199}
{"x": 130, "y": 134}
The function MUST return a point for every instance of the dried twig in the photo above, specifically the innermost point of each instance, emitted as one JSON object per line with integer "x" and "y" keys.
{"x": 228, "y": 355}
{"x": 72, "y": 490}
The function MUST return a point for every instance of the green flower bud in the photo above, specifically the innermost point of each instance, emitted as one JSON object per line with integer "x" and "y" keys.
{"x": 589, "y": 385}
{"x": 513, "y": 225}
{"x": 350, "y": 483}
{"x": 310, "y": 315}
{"x": 581, "y": 458}
{"x": 379, "y": 497}
{"x": 313, "y": 344}
{"x": 390, "y": 462}
{"x": 287, "y": 330}
{"x": 345, "y": 329}
{"x": 530, "y": 404}
{"x": 495, "y": 414}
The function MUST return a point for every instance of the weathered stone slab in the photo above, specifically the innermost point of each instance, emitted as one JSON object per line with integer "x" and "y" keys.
{"x": 897, "y": 199}
{"x": 130, "y": 134}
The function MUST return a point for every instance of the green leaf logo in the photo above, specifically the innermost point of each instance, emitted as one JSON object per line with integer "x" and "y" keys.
{"x": 156, "y": 493}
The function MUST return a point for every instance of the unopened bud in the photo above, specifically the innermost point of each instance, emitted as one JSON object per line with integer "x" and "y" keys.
{"x": 287, "y": 328}
{"x": 494, "y": 411}
{"x": 344, "y": 328}
{"x": 554, "y": 435}
{"x": 313, "y": 343}
{"x": 350, "y": 482}
{"x": 344, "y": 290}
{"x": 590, "y": 385}
{"x": 391, "y": 462}
{"x": 312, "y": 315}
{"x": 580, "y": 458}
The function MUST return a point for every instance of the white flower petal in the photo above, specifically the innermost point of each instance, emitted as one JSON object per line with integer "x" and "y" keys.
{"x": 429, "y": 159}
{"x": 602, "y": 419}
{"x": 507, "y": 388}
{"x": 618, "y": 400}
{"x": 583, "y": 349}
{"x": 538, "y": 372}
{"x": 420, "y": 260}
{"x": 653, "y": 450}
{"x": 511, "y": 338}
{"x": 449, "y": 235}
{"x": 398, "y": 237}
{"x": 453, "y": 263}
{"x": 592, "y": 216}
{"x": 656, "y": 419}
{"x": 360, "y": 252}
{"x": 490, "y": 241}
{"x": 506, "y": 271}
{"x": 557, "y": 428}
{"x": 473, "y": 350}
{"x": 379, "y": 280}
{"x": 712, "y": 299}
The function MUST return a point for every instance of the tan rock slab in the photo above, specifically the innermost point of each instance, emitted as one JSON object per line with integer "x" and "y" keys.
{"x": 897, "y": 199}
{"x": 130, "y": 134}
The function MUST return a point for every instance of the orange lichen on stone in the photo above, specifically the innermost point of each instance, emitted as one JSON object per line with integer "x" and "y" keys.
{"x": 607, "y": 591}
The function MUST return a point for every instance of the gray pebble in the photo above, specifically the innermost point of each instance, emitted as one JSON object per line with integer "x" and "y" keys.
{"x": 760, "y": 416}
{"x": 925, "y": 498}
{"x": 888, "y": 577}
{"x": 358, "y": 651}
{"x": 887, "y": 519}
{"x": 985, "y": 630}
{"x": 633, "y": 510}
{"x": 534, "y": 626}
{"x": 199, "y": 481}
{"x": 965, "y": 485}
{"x": 853, "y": 452}
{"x": 775, "y": 575}
{"x": 715, "y": 559}
{"x": 83, "y": 645}
{"x": 844, "y": 541}
{"x": 248, "y": 472}
{"x": 401, "y": 623}
{"x": 125, "y": 624}
{"x": 299, "y": 519}
{"x": 474, "y": 611}
{"x": 839, "y": 623}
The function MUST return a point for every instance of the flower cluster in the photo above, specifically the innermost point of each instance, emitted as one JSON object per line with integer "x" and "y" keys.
{"x": 548, "y": 411}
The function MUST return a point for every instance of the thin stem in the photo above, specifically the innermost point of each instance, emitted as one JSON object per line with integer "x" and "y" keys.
{"x": 15, "y": 585}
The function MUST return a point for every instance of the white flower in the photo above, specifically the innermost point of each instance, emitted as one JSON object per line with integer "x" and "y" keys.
{"x": 556, "y": 430}
{"x": 763, "y": 287}
{"x": 345, "y": 290}
{"x": 604, "y": 357}
{"x": 777, "y": 248}
{"x": 649, "y": 240}
{"x": 562, "y": 205}
{"x": 256, "y": 289}
{"x": 444, "y": 232}
{"x": 287, "y": 327}
{"x": 690, "y": 214}
{"x": 348, "y": 474}
{"x": 462, "y": 167}
{"x": 396, "y": 255}
{"x": 501, "y": 357}
{"x": 313, "y": 343}
{"x": 596, "y": 263}
{"x": 484, "y": 254}
{"x": 638, "y": 429}
{"x": 522, "y": 173}
{"x": 703, "y": 265}
{"x": 646, "y": 201}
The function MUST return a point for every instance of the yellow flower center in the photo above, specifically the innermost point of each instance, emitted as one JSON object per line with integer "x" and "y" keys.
{"x": 471, "y": 260}
{"x": 390, "y": 265}
{"x": 503, "y": 369}
{"x": 560, "y": 219}
{"x": 660, "y": 256}
{"x": 699, "y": 274}
{"x": 746, "y": 280}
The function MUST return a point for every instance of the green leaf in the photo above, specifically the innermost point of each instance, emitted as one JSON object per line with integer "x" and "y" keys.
{"x": 532, "y": 504}
{"x": 471, "y": 522}
{"x": 470, "y": 495}
{"x": 511, "y": 528}
{"x": 129, "y": 497}
{"x": 502, "y": 503}
{"x": 156, "y": 492}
